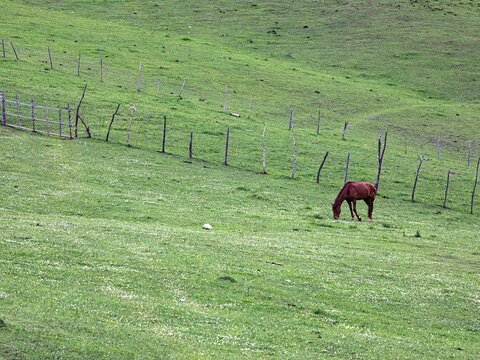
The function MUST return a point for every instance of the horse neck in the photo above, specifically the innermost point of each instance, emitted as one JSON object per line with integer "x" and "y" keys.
{"x": 340, "y": 197}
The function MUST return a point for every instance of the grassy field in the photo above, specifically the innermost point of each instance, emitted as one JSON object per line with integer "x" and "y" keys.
{"x": 102, "y": 251}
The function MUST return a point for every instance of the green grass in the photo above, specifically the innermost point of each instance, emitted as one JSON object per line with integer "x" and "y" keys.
{"x": 102, "y": 251}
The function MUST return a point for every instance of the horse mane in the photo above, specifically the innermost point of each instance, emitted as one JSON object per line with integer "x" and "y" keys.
{"x": 336, "y": 202}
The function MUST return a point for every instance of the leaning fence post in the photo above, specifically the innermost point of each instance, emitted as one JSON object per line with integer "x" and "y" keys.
{"x": 33, "y": 115}
{"x": 180, "y": 93}
{"x": 2, "y": 105}
{"x": 14, "y": 51}
{"x": 446, "y": 188}
{"x": 474, "y": 186}
{"x": 346, "y": 169}
{"x": 380, "y": 156}
{"x": 416, "y": 178}
{"x": 77, "y": 115}
{"x": 111, "y": 122}
{"x": 321, "y": 166}
{"x": 344, "y": 129}
{"x": 50, "y": 56}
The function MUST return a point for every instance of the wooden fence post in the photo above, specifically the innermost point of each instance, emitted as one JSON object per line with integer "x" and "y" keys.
{"x": 46, "y": 119}
{"x": 225, "y": 103}
{"x": 164, "y": 131}
{"x": 69, "y": 119}
{"x": 318, "y": 121}
{"x": 294, "y": 153}
{"x": 14, "y": 51}
{"x": 18, "y": 109}
{"x": 474, "y": 186}
{"x": 438, "y": 148}
{"x": 33, "y": 116}
{"x": 468, "y": 160}
{"x": 226, "y": 145}
{"x": 131, "y": 118}
{"x": 60, "y": 122}
{"x": 77, "y": 115}
{"x": 380, "y": 156}
{"x": 416, "y": 178}
{"x": 139, "y": 78}
{"x": 111, "y": 122}
{"x": 405, "y": 135}
{"x": 291, "y": 116}
{"x": 190, "y": 146}
{"x": 446, "y": 188}
{"x": 158, "y": 85}
{"x": 263, "y": 143}
{"x": 321, "y": 166}
{"x": 250, "y": 107}
{"x": 180, "y": 93}
{"x": 101, "y": 66}
{"x": 344, "y": 129}
{"x": 2, "y": 105}
{"x": 3, "y": 48}
{"x": 50, "y": 56}
{"x": 78, "y": 69}
{"x": 346, "y": 169}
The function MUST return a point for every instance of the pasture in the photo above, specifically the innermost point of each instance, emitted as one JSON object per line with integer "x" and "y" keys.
{"x": 102, "y": 251}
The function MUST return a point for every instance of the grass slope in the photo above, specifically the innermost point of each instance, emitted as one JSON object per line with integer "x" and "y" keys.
{"x": 102, "y": 249}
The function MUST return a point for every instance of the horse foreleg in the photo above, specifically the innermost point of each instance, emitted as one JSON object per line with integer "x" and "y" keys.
{"x": 355, "y": 209}
{"x": 350, "y": 205}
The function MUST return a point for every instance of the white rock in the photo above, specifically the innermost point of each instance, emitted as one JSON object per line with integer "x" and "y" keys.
{"x": 207, "y": 227}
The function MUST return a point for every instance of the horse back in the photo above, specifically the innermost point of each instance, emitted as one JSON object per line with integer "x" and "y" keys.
{"x": 360, "y": 190}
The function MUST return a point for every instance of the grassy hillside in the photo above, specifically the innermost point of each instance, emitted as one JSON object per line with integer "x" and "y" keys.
{"x": 102, "y": 251}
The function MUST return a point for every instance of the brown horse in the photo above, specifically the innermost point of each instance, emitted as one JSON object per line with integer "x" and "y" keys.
{"x": 351, "y": 192}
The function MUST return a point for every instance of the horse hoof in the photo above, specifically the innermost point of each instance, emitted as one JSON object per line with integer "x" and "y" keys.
{"x": 359, "y": 219}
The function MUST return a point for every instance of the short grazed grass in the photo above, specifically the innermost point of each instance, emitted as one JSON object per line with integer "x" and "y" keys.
{"x": 102, "y": 251}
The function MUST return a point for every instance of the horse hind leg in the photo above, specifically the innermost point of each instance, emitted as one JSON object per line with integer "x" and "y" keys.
{"x": 351, "y": 211}
{"x": 355, "y": 209}
{"x": 369, "y": 202}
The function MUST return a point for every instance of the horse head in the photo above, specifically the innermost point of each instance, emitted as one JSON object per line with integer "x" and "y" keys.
{"x": 336, "y": 211}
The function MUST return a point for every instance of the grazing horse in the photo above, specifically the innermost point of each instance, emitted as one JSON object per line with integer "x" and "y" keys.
{"x": 351, "y": 192}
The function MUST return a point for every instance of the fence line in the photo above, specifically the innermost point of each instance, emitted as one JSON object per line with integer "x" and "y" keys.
{"x": 6, "y": 115}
